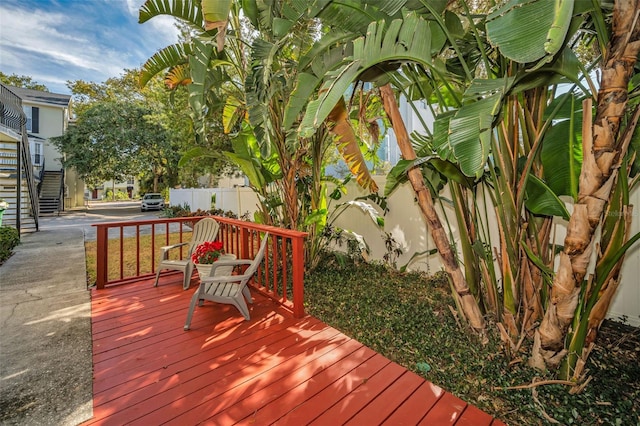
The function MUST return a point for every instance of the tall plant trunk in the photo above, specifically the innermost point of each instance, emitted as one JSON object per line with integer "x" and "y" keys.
{"x": 601, "y": 153}
{"x": 467, "y": 301}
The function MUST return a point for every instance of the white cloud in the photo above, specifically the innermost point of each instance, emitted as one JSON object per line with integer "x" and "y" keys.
{"x": 87, "y": 40}
{"x": 133, "y": 6}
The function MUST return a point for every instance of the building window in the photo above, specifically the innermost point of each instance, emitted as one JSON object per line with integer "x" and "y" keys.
{"x": 33, "y": 119}
{"x": 36, "y": 153}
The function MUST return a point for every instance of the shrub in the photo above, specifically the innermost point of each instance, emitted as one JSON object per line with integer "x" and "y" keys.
{"x": 185, "y": 211}
{"x": 9, "y": 238}
{"x": 119, "y": 195}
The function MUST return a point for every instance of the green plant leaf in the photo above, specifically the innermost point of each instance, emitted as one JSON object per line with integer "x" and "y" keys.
{"x": 541, "y": 200}
{"x": 397, "y": 175}
{"x": 561, "y": 152}
{"x": 402, "y": 40}
{"x": 520, "y": 28}
{"x": 187, "y": 10}
{"x": 167, "y": 57}
{"x": 464, "y": 138}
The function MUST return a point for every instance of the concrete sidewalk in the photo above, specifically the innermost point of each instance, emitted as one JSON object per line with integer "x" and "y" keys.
{"x": 45, "y": 334}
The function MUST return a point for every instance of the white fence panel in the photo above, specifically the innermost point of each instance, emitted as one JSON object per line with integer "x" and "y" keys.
{"x": 240, "y": 200}
{"x": 407, "y": 226}
{"x": 405, "y": 223}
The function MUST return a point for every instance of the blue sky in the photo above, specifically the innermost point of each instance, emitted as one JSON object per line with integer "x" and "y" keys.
{"x": 54, "y": 41}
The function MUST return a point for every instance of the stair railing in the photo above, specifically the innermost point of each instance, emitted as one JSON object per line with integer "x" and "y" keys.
{"x": 27, "y": 169}
{"x": 61, "y": 193}
{"x": 41, "y": 176}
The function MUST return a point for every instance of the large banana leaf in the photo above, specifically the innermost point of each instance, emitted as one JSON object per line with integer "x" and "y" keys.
{"x": 167, "y": 57}
{"x": 187, "y": 10}
{"x": 541, "y": 200}
{"x": 347, "y": 144}
{"x": 464, "y": 137}
{"x": 561, "y": 153}
{"x": 216, "y": 11}
{"x": 246, "y": 154}
{"x": 402, "y": 40}
{"x": 530, "y": 30}
{"x": 199, "y": 64}
{"x": 178, "y": 76}
{"x": 355, "y": 16}
{"x": 308, "y": 81}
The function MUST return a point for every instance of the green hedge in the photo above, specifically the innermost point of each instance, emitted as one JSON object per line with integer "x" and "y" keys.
{"x": 9, "y": 238}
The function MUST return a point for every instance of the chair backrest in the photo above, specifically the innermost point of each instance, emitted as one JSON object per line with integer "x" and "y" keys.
{"x": 204, "y": 230}
{"x": 258, "y": 259}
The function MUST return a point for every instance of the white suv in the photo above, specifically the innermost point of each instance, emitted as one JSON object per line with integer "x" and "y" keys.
{"x": 152, "y": 202}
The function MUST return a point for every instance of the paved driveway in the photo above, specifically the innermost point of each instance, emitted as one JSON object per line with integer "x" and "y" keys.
{"x": 97, "y": 212}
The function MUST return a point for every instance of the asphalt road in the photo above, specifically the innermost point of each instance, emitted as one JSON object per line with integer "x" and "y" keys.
{"x": 97, "y": 212}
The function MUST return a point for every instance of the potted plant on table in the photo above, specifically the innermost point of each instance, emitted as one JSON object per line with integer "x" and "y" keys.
{"x": 206, "y": 254}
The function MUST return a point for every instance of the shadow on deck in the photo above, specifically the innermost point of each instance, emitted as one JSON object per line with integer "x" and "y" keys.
{"x": 225, "y": 370}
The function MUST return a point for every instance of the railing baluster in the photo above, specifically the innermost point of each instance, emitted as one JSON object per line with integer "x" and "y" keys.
{"x": 102, "y": 251}
{"x": 285, "y": 286}
{"x": 276, "y": 260}
{"x": 137, "y": 249}
{"x": 121, "y": 252}
{"x": 153, "y": 247}
{"x": 298, "y": 276}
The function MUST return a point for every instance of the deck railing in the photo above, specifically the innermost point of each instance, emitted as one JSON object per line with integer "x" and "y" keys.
{"x": 280, "y": 277}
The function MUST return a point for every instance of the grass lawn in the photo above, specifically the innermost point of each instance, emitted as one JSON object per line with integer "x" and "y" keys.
{"x": 130, "y": 247}
{"x": 408, "y": 318}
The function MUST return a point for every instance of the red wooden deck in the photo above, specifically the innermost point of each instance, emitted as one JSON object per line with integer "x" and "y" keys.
{"x": 273, "y": 369}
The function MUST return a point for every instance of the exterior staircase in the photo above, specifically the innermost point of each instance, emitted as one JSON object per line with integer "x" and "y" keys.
{"x": 9, "y": 192}
{"x": 18, "y": 184}
{"x": 51, "y": 190}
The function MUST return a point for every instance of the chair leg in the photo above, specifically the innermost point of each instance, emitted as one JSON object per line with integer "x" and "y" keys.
{"x": 157, "y": 277}
{"x": 239, "y": 303}
{"x": 247, "y": 294}
{"x": 192, "y": 307}
{"x": 188, "y": 271}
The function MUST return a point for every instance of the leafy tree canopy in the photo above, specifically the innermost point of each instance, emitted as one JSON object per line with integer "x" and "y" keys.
{"x": 22, "y": 81}
{"x": 112, "y": 140}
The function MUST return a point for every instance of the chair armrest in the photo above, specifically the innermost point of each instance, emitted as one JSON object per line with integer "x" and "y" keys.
{"x": 213, "y": 278}
{"x": 167, "y": 248}
{"x": 164, "y": 250}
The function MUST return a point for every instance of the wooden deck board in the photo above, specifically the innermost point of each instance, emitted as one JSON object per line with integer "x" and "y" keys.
{"x": 273, "y": 369}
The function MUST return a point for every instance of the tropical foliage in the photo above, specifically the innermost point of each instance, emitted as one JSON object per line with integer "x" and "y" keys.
{"x": 520, "y": 123}
{"x": 253, "y": 93}
{"x": 502, "y": 130}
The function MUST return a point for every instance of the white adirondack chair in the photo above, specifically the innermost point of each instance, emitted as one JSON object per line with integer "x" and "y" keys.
{"x": 229, "y": 289}
{"x": 204, "y": 230}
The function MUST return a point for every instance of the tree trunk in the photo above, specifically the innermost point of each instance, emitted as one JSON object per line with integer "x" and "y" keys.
{"x": 468, "y": 302}
{"x": 601, "y": 153}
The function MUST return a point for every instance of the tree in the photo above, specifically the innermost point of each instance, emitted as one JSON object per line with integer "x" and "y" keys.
{"x": 286, "y": 169}
{"x": 112, "y": 141}
{"x": 23, "y": 81}
{"x": 502, "y": 123}
{"x": 371, "y": 58}
{"x": 168, "y": 110}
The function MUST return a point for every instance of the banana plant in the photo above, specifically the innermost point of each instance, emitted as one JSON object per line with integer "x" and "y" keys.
{"x": 504, "y": 129}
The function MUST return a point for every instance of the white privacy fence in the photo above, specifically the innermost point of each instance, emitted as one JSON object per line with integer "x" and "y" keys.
{"x": 239, "y": 200}
{"x": 405, "y": 223}
{"x": 407, "y": 227}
